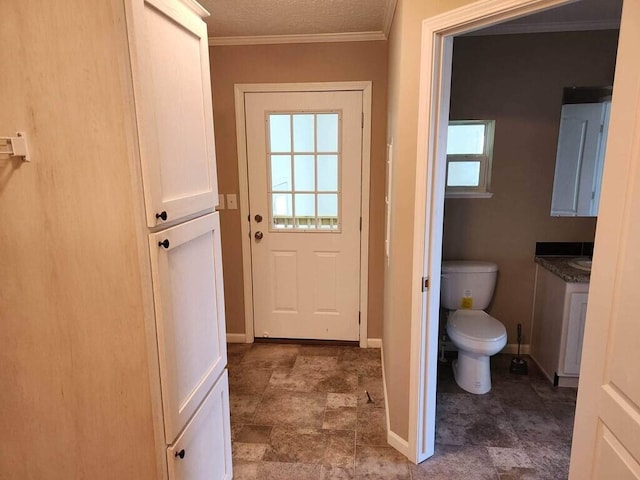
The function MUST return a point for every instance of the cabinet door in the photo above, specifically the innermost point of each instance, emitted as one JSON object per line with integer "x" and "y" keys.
{"x": 579, "y": 147}
{"x": 172, "y": 90}
{"x": 575, "y": 332}
{"x": 203, "y": 450}
{"x": 189, "y": 302}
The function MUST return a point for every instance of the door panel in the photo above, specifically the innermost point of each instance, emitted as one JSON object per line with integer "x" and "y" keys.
{"x": 203, "y": 450}
{"x": 170, "y": 61}
{"x": 188, "y": 294}
{"x": 607, "y": 427}
{"x": 304, "y": 154}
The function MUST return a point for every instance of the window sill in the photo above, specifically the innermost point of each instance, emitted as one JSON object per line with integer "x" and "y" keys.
{"x": 468, "y": 195}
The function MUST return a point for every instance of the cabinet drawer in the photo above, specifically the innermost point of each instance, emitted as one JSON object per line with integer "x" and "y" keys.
{"x": 188, "y": 294}
{"x": 203, "y": 449}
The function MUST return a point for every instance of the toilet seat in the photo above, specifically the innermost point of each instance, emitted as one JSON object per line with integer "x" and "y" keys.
{"x": 476, "y": 325}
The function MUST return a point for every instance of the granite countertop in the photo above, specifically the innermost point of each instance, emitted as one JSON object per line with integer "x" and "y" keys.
{"x": 560, "y": 266}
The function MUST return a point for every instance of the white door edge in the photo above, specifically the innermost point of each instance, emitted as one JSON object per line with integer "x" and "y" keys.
{"x": 240, "y": 89}
{"x": 433, "y": 113}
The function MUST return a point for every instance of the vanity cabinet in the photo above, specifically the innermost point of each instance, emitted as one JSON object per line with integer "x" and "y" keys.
{"x": 558, "y": 327}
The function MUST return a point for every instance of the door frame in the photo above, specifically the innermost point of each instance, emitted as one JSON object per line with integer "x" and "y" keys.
{"x": 243, "y": 170}
{"x": 436, "y": 57}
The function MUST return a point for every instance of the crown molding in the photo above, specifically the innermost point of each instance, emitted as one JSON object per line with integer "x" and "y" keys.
{"x": 547, "y": 27}
{"x": 303, "y": 38}
{"x": 388, "y": 17}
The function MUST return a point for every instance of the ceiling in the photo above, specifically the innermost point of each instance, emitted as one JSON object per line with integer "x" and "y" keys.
{"x": 234, "y": 22}
{"x": 239, "y": 22}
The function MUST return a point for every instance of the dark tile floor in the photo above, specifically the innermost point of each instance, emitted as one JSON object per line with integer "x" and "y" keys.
{"x": 301, "y": 412}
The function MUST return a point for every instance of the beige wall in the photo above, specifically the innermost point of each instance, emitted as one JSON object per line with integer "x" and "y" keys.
{"x": 320, "y": 62}
{"x": 75, "y": 399}
{"x": 404, "y": 76}
{"x": 518, "y": 80}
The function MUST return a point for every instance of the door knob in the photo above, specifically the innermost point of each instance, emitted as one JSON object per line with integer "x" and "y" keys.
{"x": 258, "y": 218}
{"x": 259, "y": 235}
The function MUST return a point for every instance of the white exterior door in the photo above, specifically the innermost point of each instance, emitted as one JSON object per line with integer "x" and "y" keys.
{"x": 606, "y": 440}
{"x": 304, "y": 153}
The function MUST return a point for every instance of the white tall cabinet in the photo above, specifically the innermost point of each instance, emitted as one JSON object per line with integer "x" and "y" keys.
{"x": 113, "y": 337}
{"x": 173, "y": 107}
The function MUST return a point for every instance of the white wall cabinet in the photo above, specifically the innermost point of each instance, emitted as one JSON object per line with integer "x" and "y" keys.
{"x": 558, "y": 327}
{"x": 174, "y": 111}
{"x": 173, "y": 107}
{"x": 579, "y": 160}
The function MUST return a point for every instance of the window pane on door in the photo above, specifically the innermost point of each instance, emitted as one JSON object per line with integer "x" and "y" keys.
{"x": 305, "y": 169}
{"x": 463, "y": 174}
{"x": 311, "y": 165}
{"x": 303, "y": 133}
{"x": 282, "y": 210}
{"x": 280, "y": 133}
{"x": 281, "y": 173}
{"x": 328, "y": 132}
{"x": 328, "y": 173}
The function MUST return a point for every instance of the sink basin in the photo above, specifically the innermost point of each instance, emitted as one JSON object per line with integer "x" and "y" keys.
{"x": 580, "y": 264}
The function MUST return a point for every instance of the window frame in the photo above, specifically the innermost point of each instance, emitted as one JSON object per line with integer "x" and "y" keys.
{"x": 485, "y": 159}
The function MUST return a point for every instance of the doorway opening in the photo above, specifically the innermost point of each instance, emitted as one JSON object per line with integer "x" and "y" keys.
{"x": 437, "y": 54}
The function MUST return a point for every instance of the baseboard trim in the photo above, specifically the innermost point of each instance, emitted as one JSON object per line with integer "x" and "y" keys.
{"x": 513, "y": 348}
{"x": 400, "y": 444}
{"x": 236, "y": 338}
{"x": 393, "y": 439}
{"x": 374, "y": 343}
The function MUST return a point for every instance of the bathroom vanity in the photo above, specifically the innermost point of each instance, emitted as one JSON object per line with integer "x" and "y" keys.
{"x": 560, "y": 307}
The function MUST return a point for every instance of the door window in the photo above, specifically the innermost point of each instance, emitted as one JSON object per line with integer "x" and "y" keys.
{"x": 304, "y": 167}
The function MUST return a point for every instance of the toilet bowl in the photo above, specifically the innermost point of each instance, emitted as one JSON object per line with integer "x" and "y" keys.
{"x": 467, "y": 289}
{"x": 477, "y": 335}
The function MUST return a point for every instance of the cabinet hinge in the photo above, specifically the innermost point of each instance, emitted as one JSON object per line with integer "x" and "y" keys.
{"x": 602, "y": 128}
{"x": 360, "y": 223}
{"x": 362, "y": 126}
{"x": 425, "y": 283}
{"x": 359, "y": 317}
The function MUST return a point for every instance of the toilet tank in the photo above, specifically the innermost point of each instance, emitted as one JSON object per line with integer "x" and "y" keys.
{"x": 467, "y": 284}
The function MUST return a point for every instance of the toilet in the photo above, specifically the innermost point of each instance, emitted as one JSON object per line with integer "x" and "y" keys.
{"x": 466, "y": 290}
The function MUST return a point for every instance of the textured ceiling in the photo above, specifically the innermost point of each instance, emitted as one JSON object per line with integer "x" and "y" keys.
{"x": 239, "y": 18}
{"x": 265, "y": 19}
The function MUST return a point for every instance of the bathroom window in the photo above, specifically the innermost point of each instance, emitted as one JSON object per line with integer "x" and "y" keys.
{"x": 469, "y": 153}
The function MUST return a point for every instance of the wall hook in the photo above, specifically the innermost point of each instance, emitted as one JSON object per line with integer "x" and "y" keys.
{"x": 16, "y": 146}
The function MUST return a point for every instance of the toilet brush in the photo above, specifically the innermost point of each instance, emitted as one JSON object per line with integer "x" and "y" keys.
{"x": 519, "y": 365}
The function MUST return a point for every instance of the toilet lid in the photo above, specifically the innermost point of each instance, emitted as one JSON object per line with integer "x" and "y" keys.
{"x": 476, "y": 325}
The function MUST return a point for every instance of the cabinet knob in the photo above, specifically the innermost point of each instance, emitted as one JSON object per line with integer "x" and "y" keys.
{"x": 164, "y": 243}
{"x": 180, "y": 454}
{"x": 162, "y": 215}
{"x": 258, "y": 218}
